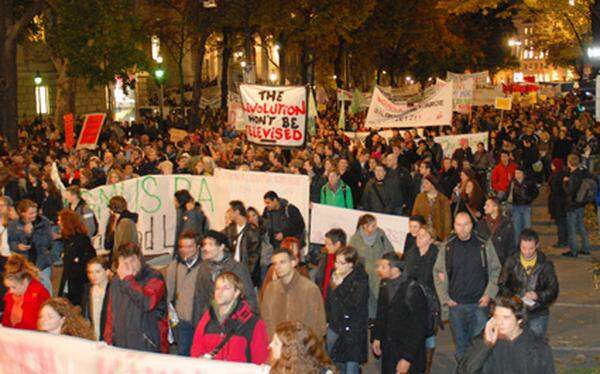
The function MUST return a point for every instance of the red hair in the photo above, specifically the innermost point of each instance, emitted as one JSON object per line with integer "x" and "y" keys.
{"x": 288, "y": 243}
{"x": 71, "y": 223}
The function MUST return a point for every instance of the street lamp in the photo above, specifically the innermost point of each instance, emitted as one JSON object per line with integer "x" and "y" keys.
{"x": 37, "y": 79}
{"x": 159, "y": 74}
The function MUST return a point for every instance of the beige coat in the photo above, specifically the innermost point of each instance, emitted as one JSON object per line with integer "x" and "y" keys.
{"x": 300, "y": 300}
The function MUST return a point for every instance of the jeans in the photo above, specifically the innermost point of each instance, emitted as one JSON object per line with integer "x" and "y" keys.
{"x": 521, "y": 215}
{"x": 184, "y": 335}
{"x": 467, "y": 321}
{"x": 575, "y": 225}
{"x": 57, "y": 248}
{"x": 539, "y": 325}
{"x": 598, "y": 208}
{"x": 561, "y": 226}
{"x": 45, "y": 278}
{"x": 349, "y": 367}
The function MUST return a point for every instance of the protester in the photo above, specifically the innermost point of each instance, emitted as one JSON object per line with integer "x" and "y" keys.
{"x": 76, "y": 203}
{"x": 336, "y": 192}
{"x": 289, "y": 244}
{"x": 347, "y": 312}
{"x": 466, "y": 276}
{"x": 496, "y": 227}
{"x": 282, "y": 219}
{"x": 506, "y": 345}
{"x": 575, "y": 209}
{"x": 189, "y": 216}
{"x": 295, "y": 348}
{"x": 371, "y": 243}
{"x": 530, "y": 275}
{"x": 415, "y": 224}
{"x": 59, "y": 317}
{"x": 435, "y": 207}
{"x": 502, "y": 175}
{"x": 522, "y": 193}
{"x": 95, "y": 296}
{"x": 245, "y": 240}
{"x": 400, "y": 327}
{"x": 121, "y": 228}
{"x": 557, "y": 201}
{"x": 399, "y": 180}
{"x": 78, "y": 250}
{"x": 137, "y": 307}
{"x": 335, "y": 239}
{"x": 292, "y": 297}
{"x": 228, "y": 329}
{"x": 378, "y": 196}
{"x": 25, "y": 294}
{"x": 217, "y": 258}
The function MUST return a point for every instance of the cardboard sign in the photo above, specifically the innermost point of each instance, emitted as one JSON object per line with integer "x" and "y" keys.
{"x": 69, "y": 130}
{"x": 92, "y": 126}
{"x": 275, "y": 116}
{"x": 503, "y": 103}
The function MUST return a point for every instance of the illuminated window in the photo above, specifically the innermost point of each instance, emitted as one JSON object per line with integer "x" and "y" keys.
{"x": 155, "y": 41}
{"x": 41, "y": 100}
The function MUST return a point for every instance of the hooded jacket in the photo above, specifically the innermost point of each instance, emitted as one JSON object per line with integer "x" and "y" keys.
{"x": 125, "y": 230}
{"x": 286, "y": 220}
{"x": 248, "y": 343}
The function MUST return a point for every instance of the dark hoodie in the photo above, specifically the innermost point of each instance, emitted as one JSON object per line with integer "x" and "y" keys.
{"x": 286, "y": 220}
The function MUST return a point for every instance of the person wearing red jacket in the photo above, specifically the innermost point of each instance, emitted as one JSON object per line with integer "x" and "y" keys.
{"x": 228, "y": 329}
{"x": 502, "y": 175}
{"x": 25, "y": 295}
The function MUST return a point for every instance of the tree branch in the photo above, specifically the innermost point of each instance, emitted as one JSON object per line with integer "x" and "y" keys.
{"x": 19, "y": 27}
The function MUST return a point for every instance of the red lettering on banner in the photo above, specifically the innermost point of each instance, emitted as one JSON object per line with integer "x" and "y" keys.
{"x": 275, "y": 109}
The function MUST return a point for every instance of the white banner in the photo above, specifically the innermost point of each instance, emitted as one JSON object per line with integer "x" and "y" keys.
{"x": 450, "y": 143}
{"x": 275, "y": 115}
{"x": 325, "y": 217}
{"x": 152, "y": 197}
{"x": 462, "y": 95}
{"x": 24, "y": 351}
{"x": 434, "y": 110}
{"x": 482, "y": 78}
{"x": 486, "y": 95}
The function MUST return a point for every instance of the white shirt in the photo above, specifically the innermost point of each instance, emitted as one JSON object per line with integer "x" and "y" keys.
{"x": 237, "y": 256}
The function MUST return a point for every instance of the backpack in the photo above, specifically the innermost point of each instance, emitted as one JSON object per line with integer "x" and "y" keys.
{"x": 587, "y": 191}
{"x": 434, "y": 309}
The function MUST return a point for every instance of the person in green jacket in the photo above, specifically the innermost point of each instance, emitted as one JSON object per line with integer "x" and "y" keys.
{"x": 371, "y": 243}
{"x": 336, "y": 192}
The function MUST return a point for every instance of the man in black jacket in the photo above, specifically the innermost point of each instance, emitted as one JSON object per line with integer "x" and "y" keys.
{"x": 378, "y": 196}
{"x": 496, "y": 227}
{"x": 523, "y": 191}
{"x": 575, "y": 210}
{"x": 400, "y": 327}
{"x": 398, "y": 179}
{"x": 282, "y": 219}
{"x": 245, "y": 240}
{"x": 531, "y": 276}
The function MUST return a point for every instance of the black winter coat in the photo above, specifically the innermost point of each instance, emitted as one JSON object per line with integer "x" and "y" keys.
{"x": 377, "y": 197}
{"x": 347, "y": 316}
{"x": 51, "y": 206}
{"x": 86, "y": 307}
{"x": 421, "y": 267}
{"x": 557, "y": 197}
{"x": 524, "y": 193}
{"x": 543, "y": 281}
{"x": 317, "y": 182}
{"x": 78, "y": 250}
{"x": 527, "y": 354}
{"x": 572, "y": 186}
{"x": 503, "y": 239}
{"x": 400, "y": 326}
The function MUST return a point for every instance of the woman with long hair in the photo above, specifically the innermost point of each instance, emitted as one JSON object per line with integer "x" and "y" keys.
{"x": 25, "y": 295}
{"x": 78, "y": 250}
{"x": 296, "y": 349}
{"x": 95, "y": 297}
{"x": 58, "y": 316}
{"x": 470, "y": 197}
{"x": 52, "y": 204}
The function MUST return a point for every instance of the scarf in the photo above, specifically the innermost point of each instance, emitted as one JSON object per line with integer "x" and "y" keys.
{"x": 216, "y": 267}
{"x": 368, "y": 239}
{"x": 528, "y": 264}
{"x": 493, "y": 224}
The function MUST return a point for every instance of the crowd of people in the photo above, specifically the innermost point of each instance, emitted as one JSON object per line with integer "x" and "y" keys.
{"x": 255, "y": 291}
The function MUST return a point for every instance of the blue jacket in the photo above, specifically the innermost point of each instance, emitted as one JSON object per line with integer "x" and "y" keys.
{"x": 40, "y": 241}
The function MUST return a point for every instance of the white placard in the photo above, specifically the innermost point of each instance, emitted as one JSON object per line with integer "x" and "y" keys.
{"x": 450, "y": 143}
{"x": 325, "y": 218}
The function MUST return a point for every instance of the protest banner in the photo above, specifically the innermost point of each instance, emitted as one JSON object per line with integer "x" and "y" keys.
{"x": 324, "y": 218}
{"x": 503, "y": 103}
{"x": 275, "y": 115}
{"x": 69, "y": 130}
{"x": 434, "y": 110}
{"x": 462, "y": 95}
{"x": 450, "y": 143}
{"x": 90, "y": 132}
{"x": 24, "y": 351}
{"x": 481, "y": 78}
{"x": 152, "y": 198}
{"x": 486, "y": 95}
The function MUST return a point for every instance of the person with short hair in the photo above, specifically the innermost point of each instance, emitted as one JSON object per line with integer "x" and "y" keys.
{"x": 292, "y": 297}
{"x": 122, "y": 225}
{"x": 95, "y": 296}
{"x": 137, "y": 308}
{"x": 336, "y": 192}
{"x": 415, "y": 224}
{"x": 245, "y": 240}
{"x": 400, "y": 327}
{"x": 530, "y": 275}
{"x": 229, "y": 330}
{"x": 496, "y": 227}
{"x": 25, "y": 294}
{"x": 79, "y": 205}
{"x": 282, "y": 219}
{"x": 181, "y": 278}
{"x": 217, "y": 258}
{"x": 575, "y": 211}
{"x": 523, "y": 192}
{"x": 502, "y": 174}
{"x": 335, "y": 239}
{"x": 190, "y": 217}
{"x": 378, "y": 196}
{"x": 59, "y": 317}
{"x": 507, "y": 345}
{"x": 434, "y": 206}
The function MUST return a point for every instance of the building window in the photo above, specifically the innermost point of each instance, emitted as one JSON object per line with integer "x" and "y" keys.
{"x": 155, "y": 41}
{"x": 41, "y": 100}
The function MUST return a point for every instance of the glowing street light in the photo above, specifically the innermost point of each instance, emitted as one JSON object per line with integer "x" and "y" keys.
{"x": 273, "y": 77}
{"x": 37, "y": 79}
{"x": 514, "y": 43}
{"x": 159, "y": 74}
{"x": 593, "y": 53}
{"x": 243, "y": 64}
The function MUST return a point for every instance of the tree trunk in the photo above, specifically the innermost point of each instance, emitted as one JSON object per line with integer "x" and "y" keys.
{"x": 337, "y": 64}
{"x": 250, "y": 58}
{"x": 225, "y": 56}
{"x": 304, "y": 61}
{"x": 181, "y": 81}
{"x": 65, "y": 98}
{"x": 8, "y": 91}
{"x": 198, "y": 51}
{"x": 282, "y": 63}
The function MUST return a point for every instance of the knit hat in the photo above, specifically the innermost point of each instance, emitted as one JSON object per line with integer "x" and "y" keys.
{"x": 218, "y": 237}
{"x": 434, "y": 181}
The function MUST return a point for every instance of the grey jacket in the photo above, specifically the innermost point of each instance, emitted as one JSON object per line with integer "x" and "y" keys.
{"x": 440, "y": 274}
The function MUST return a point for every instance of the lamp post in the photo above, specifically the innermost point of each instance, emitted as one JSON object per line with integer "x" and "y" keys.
{"x": 37, "y": 79}
{"x": 159, "y": 74}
